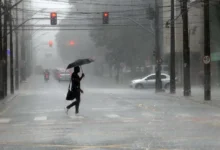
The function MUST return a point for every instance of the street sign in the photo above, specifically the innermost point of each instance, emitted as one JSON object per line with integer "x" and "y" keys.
{"x": 206, "y": 59}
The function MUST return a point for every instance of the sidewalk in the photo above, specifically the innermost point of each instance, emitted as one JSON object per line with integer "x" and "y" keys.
{"x": 10, "y": 96}
{"x": 197, "y": 95}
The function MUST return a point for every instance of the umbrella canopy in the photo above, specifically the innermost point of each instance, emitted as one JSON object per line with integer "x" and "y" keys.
{"x": 80, "y": 62}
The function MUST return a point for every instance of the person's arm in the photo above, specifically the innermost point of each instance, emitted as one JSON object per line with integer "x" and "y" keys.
{"x": 83, "y": 75}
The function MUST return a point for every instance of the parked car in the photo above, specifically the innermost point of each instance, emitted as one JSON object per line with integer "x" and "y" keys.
{"x": 149, "y": 81}
{"x": 63, "y": 74}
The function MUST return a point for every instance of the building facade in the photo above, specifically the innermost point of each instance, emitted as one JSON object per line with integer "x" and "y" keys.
{"x": 195, "y": 19}
{"x": 215, "y": 36}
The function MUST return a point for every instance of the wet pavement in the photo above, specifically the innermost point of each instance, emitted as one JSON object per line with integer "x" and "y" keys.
{"x": 111, "y": 117}
{"x": 197, "y": 95}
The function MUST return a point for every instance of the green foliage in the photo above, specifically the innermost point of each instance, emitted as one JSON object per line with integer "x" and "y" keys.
{"x": 130, "y": 45}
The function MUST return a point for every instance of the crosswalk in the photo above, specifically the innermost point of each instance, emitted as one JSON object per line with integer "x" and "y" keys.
{"x": 74, "y": 119}
{"x": 41, "y": 92}
{"x": 5, "y": 120}
{"x": 42, "y": 118}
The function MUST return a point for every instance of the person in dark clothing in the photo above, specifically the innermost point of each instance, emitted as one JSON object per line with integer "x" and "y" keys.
{"x": 76, "y": 89}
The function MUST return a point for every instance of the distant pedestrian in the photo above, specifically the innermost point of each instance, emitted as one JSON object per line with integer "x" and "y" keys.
{"x": 75, "y": 79}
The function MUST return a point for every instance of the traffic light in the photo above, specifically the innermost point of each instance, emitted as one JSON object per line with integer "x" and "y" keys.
{"x": 50, "y": 43}
{"x": 105, "y": 17}
{"x": 71, "y": 43}
{"x": 53, "y": 18}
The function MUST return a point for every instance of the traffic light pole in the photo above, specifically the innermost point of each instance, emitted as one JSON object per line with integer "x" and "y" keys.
{"x": 16, "y": 4}
{"x": 207, "y": 66}
{"x": 172, "y": 51}
{"x": 11, "y": 53}
{"x": 186, "y": 50}
{"x": 23, "y": 50}
{"x": 1, "y": 56}
{"x": 5, "y": 70}
{"x": 16, "y": 55}
{"x": 158, "y": 83}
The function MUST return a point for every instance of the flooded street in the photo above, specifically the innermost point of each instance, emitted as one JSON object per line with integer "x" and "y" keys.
{"x": 109, "y": 118}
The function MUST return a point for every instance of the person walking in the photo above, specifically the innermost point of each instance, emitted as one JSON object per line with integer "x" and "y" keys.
{"x": 75, "y": 79}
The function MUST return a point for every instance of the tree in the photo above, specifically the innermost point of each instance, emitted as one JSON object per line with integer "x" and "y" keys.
{"x": 120, "y": 41}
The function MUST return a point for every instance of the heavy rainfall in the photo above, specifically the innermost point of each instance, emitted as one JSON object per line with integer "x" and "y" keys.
{"x": 109, "y": 75}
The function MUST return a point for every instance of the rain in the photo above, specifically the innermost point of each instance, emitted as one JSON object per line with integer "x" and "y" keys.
{"x": 109, "y": 75}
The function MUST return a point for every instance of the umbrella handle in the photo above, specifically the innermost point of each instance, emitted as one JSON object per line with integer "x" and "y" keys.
{"x": 81, "y": 68}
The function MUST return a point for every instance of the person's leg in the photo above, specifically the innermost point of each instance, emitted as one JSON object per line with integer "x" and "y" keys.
{"x": 77, "y": 104}
{"x": 71, "y": 105}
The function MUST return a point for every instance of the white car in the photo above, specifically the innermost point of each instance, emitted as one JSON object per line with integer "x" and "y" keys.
{"x": 149, "y": 81}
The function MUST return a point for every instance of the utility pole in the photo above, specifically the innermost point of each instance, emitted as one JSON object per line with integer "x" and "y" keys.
{"x": 186, "y": 50}
{"x": 23, "y": 50}
{"x": 207, "y": 63}
{"x": 158, "y": 83}
{"x": 5, "y": 78}
{"x": 1, "y": 56}
{"x": 11, "y": 51}
{"x": 172, "y": 51}
{"x": 16, "y": 54}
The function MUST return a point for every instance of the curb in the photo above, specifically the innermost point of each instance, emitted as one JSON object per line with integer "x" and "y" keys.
{"x": 9, "y": 98}
{"x": 190, "y": 98}
{"x": 4, "y": 103}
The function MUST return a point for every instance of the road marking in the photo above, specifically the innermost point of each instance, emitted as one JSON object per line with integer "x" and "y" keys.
{"x": 5, "y": 120}
{"x": 59, "y": 146}
{"x": 129, "y": 120}
{"x": 112, "y": 116}
{"x": 183, "y": 115}
{"x": 76, "y": 122}
{"x": 41, "y": 118}
{"x": 78, "y": 117}
{"x": 140, "y": 105}
{"x": 19, "y": 124}
{"x": 103, "y": 108}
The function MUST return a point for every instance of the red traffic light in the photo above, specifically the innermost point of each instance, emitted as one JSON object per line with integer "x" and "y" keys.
{"x": 72, "y": 43}
{"x": 53, "y": 18}
{"x": 50, "y": 43}
{"x": 106, "y": 14}
{"x": 105, "y": 17}
{"x": 53, "y": 14}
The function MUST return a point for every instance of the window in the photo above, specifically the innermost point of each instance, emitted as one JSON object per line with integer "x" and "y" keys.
{"x": 163, "y": 77}
{"x": 151, "y": 77}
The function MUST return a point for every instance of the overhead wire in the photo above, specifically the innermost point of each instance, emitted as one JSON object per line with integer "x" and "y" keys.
{"x": 87, "y": 13}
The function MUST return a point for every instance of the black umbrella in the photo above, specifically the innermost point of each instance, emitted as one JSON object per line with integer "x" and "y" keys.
{"x": 80, "y": 62}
